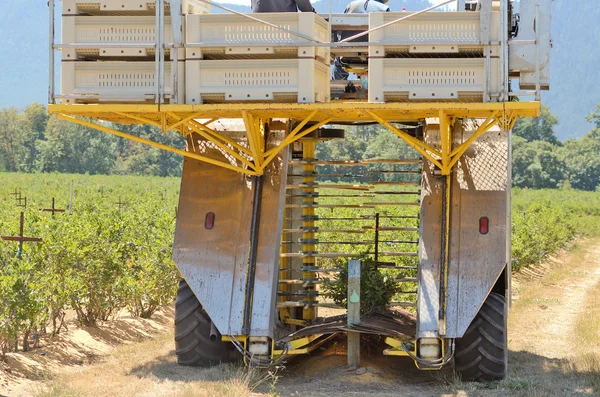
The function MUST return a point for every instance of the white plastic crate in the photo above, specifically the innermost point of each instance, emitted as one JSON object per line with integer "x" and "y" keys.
{"x": 431, "y": 79}
{"x": 431, "y": 32}
{"x": 127, "y": 7}
{"x": 233, "y": 35}
{"x": 111, "y": 30}
{"x": 280, "y": 80}
{"x": 122, "y": 82}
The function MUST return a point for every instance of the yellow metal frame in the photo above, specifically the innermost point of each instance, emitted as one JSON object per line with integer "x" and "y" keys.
{"x": 253, "y": 159}
{"x": 304, "y": 345}
{"x": 396, "y": 348}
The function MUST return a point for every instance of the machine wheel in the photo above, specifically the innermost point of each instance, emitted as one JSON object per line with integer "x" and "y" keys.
{"x": 481, "y": 354}
{"x": 193, "y": 345}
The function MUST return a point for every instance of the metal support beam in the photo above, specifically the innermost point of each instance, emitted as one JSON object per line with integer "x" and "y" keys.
{"x": 200, "y": 131}
{"x": 446, "y": 208}
{"x": 427, "y": 151}
{"x": 254, "y": 230}
{"x": 446, "y": 141}
{"x": 156, "y": 145}
{"x": 253, "y": 139}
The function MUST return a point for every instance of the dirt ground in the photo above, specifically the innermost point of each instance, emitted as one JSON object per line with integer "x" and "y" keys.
{"x": 554, "y": 326}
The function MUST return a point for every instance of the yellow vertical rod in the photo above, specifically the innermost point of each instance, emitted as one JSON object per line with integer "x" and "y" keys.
{"x": 445, "y": 142}
{"x": 308, "y": 153}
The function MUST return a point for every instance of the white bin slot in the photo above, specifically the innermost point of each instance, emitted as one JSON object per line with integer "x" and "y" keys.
{"x": 233, "y": 35}
{"x": 430, "y": 79}
{"x": 119, "y": 35}
{"x": 282, "y": 80}
{"x": 88, "y": 82}
{"x": 432, "y": 32}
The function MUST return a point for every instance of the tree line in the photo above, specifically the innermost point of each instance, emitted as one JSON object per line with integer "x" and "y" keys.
{"x": 33, "y": 141}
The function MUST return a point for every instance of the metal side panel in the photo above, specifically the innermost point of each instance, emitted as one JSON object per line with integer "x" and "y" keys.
{"x": 476, "y": 260}
{"x": 264, "y": 311}
{"x": 479, "y": 183}
{"x": 430, "y": 248}
{"x": 215, "y": 262}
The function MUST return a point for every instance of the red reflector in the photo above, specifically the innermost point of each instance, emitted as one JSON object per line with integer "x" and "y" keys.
{"x": 209, "y": 221}
{"x": 484, "y": 225}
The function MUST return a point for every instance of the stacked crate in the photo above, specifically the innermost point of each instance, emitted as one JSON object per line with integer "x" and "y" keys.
{"x": 111, "y": 49}
{"x": 231, "y": 58}
{"x": 435, "y": 56}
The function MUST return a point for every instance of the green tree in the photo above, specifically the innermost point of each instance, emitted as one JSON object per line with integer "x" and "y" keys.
{"x": 14, "y": 135}
{"x": 582, "y": 160}
{"x": 537, "y": 128}
{"x": 35, "y": 118}
{"x": 72, "y": 148}
{"x": 595, "y": 117}
{"x": 537, "y": 165}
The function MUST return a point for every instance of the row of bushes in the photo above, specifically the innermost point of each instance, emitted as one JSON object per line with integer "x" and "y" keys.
{"x": 97, "y": 261}
{"x": 104, "y": 258}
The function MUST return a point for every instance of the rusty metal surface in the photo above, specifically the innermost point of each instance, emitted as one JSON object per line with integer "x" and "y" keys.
{"x": 396, "y": 323}
{"x": 214, "y": 262}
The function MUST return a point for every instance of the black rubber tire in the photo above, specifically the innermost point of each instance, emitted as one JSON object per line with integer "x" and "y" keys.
{"x": 192, "y": 333}
{"x": 481, "y": 354}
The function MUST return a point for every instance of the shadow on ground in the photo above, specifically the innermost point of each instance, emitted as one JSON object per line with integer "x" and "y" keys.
{"x": 324, "y": 373}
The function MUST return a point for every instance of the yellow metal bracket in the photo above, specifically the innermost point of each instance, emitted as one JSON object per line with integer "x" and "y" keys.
{"x": 304, "y": 345}
{"x": 155, "y": 144}
{"x": 252, "y": 160}
{"x": 396, "y": 348}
